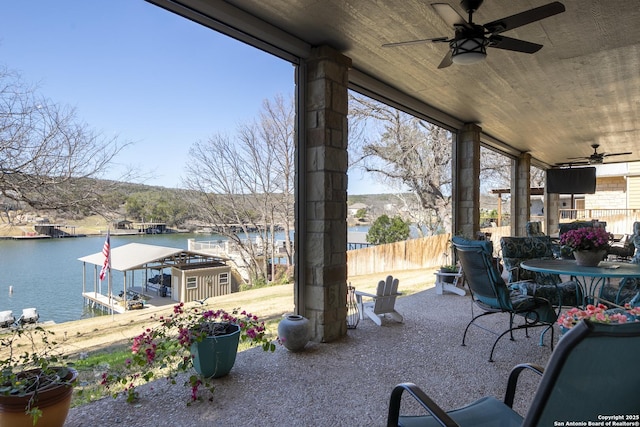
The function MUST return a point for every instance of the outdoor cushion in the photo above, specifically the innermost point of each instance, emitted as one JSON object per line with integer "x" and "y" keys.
{"x": 570, "y": 292}
{"x": 516, "y": 250}
{"x": 523, "y": 302}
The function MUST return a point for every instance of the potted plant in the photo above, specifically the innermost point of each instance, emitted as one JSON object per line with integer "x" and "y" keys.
{"x": 195, "y": 337}
{"x": 447, "y": 268}
{"x": 450, "y": 269}
{"x": 35, "y": 384}
{"x": 589, "y": 244}
{"x": 598, "y": 313}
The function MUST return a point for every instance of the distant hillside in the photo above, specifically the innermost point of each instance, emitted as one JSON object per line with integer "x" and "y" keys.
{"x": 369, "y": 199}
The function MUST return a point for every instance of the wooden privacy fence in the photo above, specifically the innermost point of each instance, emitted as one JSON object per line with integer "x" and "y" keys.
{"x": 406, "y": 255}
{"x": 425, "y": 252}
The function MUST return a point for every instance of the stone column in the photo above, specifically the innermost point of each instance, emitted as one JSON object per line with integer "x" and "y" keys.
{"x": 520, "y": 194}
{"x": 551, "y": 212}
{"x": 322, "y": 267}
{"x": 466, "y": 188}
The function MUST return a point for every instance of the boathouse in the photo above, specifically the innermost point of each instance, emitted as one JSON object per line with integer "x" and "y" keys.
{"x": 141, "y": 276}
{"x": 56, "y": 230}
{"x": 152, "y": 227}
{"x": 123, "y": 224}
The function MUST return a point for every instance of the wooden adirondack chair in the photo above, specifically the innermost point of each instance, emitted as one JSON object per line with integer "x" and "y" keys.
{"x": 382, "y": 303}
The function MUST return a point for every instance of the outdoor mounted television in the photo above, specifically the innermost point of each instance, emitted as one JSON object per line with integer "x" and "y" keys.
{"x": 571, "y": 180}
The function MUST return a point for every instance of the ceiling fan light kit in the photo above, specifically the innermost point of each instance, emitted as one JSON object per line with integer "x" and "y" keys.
{"x": 468, "y": 50}
{"x": 470, "y": 42}
{"x": 596, "y": 158}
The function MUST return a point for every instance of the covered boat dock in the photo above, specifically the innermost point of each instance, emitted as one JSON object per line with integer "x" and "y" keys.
{"x": 194, "y": 275}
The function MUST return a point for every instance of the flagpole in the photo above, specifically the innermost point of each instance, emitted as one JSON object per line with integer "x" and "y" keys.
{"x": 109, "y": 277}
{"x": 106, "y": 269}
{"x": 111, "y": 296}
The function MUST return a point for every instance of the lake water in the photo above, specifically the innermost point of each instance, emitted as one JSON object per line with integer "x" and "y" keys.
{"x": 47, "y": 275}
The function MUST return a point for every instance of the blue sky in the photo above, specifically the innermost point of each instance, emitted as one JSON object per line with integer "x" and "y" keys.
{"x": 134, "y": 70}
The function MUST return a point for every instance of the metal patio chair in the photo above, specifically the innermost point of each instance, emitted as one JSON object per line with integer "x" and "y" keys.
{"x": 490, "y": 293}
{"x": 592, "y": 372}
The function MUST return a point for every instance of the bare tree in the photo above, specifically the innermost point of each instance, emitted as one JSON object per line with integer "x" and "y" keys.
{"x": 412, "y": 154}
{"x": 47, "y": 156}
{"x": 278, "y": 131}
{"x": 247, "y": 182}
{"x": 496, "y": 171}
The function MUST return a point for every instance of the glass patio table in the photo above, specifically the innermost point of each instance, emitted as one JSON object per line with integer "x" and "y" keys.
{"x": 589, "y": 278}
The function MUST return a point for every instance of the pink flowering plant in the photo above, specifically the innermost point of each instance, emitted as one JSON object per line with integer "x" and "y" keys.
{"x": 599, "y": 313}
{"x": 164, "y": 349}
{"x": 585, "y": 239}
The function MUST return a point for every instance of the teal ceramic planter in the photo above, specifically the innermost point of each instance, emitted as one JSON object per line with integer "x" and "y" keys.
{"x": 215, "y": 355}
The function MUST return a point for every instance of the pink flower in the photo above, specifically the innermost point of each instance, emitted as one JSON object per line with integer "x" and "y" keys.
{"x": 586, "y": 238}
{"x": 194, "y": 390}
{"x": 596, "y": 314}
{"x": 166, "y": 346}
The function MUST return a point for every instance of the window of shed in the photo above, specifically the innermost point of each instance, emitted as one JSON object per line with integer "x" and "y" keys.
{"x": 223, "y": 278}
{"x": 192, "y": 282}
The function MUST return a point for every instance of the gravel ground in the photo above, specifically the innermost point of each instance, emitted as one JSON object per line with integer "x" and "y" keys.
{"x": 345, "y": 383}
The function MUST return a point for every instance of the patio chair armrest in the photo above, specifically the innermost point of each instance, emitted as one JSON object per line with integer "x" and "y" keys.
{"x": 513, "y": 380}
{"x": 416, "y": 392}
{"x": 438, "y": 273}
{"x": 361, "y": 294}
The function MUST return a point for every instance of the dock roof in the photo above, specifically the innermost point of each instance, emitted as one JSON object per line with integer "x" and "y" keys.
{"x": 136, "y": 256}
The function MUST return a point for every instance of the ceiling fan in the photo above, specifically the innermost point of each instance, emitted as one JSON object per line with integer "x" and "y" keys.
{"x": 470, "y": 42}
{"x": 595, "y": 158}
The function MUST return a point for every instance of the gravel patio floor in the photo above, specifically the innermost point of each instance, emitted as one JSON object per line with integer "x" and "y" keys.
{"x": 346, "y": 383}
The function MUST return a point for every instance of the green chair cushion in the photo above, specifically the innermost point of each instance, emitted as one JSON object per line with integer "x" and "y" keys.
{"x": 485, "y": 412}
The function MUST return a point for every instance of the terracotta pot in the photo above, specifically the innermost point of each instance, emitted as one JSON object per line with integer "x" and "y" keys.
{"x": 54, "y": 402}
{"x": 589, "y": 258}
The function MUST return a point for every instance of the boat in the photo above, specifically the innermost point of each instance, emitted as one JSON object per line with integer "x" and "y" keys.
{"x": 29, "y": 315}
{"x": 6, "y": 318}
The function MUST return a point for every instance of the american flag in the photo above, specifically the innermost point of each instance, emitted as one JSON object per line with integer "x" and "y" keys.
{"x": 106, "y": 251}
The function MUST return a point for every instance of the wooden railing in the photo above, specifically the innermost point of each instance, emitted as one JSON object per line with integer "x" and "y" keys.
{"x": 619, "y": 221}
